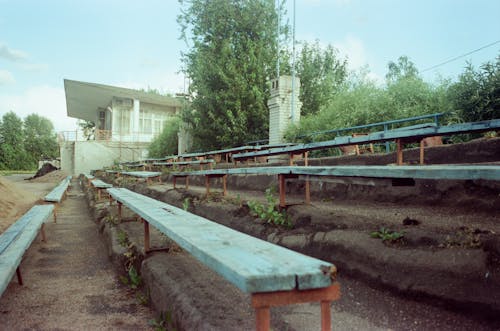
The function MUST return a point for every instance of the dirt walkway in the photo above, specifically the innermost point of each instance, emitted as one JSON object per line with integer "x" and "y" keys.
{"x": 69, "y": 282}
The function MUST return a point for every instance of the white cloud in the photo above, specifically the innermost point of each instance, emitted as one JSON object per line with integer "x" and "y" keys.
{"x": 46, "y": 101}
{"x": 352, "y": 48}
{"x": 6, "y": 77}
{"x": 12, "y": 54}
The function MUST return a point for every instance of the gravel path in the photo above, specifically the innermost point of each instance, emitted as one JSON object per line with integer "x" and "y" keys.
{"x": 69, "y": 282}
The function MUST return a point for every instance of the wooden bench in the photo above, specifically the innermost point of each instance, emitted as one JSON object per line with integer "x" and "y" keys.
{"x": 136, "y": 165}
{"x": 401, "y": 136}
{"x": 192, "y": 156}
{"x": 99, "y": 186}
{"x": 148, "y": 175}
{"x": 58, "y": 194}
{"x": 226, "y": 154}
{"x": 272, "y": 274}
{"x": 17, "y": 239}
{"x": 89, "y": 178}
{"x": 183, "y": 164}
{"x": 393, "y": 173}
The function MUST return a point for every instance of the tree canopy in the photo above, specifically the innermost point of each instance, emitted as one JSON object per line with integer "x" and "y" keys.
{"x": 232, "y": 55}
{"x": 24, "y": 143}
{"x": 321, "y": 74}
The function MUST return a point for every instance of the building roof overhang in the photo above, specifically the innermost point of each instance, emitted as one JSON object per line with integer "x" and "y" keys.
{"x": 83, "y": 99}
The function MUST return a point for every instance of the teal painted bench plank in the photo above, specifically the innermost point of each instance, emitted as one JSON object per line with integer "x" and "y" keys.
{"x": 97, "y": 183}
{"x": 456, "y": 172}
{"x": 142, "y": 174}
{"x": 208, "y": 161}
{"x": 251, "y": 264}
{"x": 20, "y": 236}
{"x": 57, "y": 193}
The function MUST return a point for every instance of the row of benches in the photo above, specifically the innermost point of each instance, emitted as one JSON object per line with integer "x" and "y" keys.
{"x": 18, "y": 237}
{"x": 393, "y": 173}
{"x": 405, "y": 135}
{"x": 402, "y": 136}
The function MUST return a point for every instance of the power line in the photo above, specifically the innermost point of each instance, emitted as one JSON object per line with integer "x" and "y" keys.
{"x": 460, "y": 56}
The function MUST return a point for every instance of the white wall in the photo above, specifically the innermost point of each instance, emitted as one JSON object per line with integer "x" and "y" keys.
{"x": 83, "y": 156}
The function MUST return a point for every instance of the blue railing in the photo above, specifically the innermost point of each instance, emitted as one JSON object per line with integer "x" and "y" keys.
{"x": 385, "y": 125}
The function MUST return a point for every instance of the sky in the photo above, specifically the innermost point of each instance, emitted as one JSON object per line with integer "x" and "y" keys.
{"x": 136, "y": 44}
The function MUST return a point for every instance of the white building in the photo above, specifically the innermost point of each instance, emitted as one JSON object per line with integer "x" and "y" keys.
{"x": 126, "y": 122}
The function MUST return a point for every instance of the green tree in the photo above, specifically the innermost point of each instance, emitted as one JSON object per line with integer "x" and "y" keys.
{"x": 321, "y": 74}
{"x": 40, "y": 139}
{"x": 166, "y": 142}
{"x": 12, "y": 153}
{"x": 88, "y": 128}
{"x": 404, "y": 68}
{"x": 476, "y": 94}
{"x": 232, "y": 55}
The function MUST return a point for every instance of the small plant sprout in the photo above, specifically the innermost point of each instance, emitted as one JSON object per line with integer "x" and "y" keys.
{"x": 387, "y": 235}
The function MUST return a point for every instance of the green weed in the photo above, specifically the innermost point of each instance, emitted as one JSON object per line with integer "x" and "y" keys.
{"x": 387, "y": 235}
{"x": 269, "y": 212}
{"x": 163, "y": 323}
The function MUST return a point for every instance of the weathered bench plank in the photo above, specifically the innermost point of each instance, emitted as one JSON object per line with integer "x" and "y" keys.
{"x": 456, "y": 172}
{"x": 56, "y": 195}
{"x": 251, "y": 264}
{"x": 97, "y": 183}
{"x": 17, "y": 239}
{"x": 142, "y": 174}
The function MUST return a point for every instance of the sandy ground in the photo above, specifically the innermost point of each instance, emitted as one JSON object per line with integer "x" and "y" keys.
{"x": 69, "y": 283}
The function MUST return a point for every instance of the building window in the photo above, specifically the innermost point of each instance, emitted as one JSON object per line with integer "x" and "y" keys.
{"x": 102, "y": 119}
{"x": 158, "y": 126}
{"x": 145, "y": 122}
{"x": 124, "y": 121}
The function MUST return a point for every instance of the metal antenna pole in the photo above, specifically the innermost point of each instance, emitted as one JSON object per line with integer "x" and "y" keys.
{"x": 278, "y": 40}
{"x": 292, "y": 110}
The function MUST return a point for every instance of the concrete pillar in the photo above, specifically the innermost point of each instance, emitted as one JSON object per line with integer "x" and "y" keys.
{"x": 185, "y": 141}
{"x": 134, "y": 125}
{"x": 280, "y": 107}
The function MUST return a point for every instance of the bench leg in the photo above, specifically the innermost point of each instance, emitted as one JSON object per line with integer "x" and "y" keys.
{"x": 263, "y": 318}
{"x": 262, "y": 302}
{"x": 187, "y": 182}
{"x": 326, "y": 319}
{"x": 42, "y": 232}
{"x": 98, "y": 194}
{"x": 146, "y": 237}
{"x": 174, "y": 180}
{"x": 207, "y": 184}
{"x": 281, "y": 179}
{"x": 224, "y": 185}
{"x": 119, "y": 211}
{"x": 19, "y": 277}
{"x": 422, "y": 151}
{"x": 399, "y": 152}
{"x": 55, "y": 212}
{"x": 308, "y": 183}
